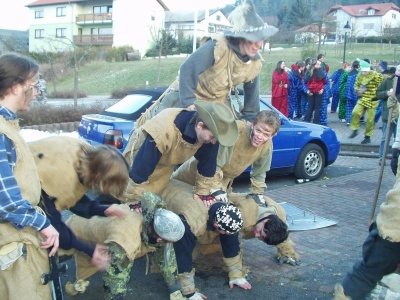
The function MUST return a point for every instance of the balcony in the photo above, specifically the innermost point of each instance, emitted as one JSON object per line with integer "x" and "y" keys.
{"x": 98, "y": 39}
{"x": 100, "y": 18}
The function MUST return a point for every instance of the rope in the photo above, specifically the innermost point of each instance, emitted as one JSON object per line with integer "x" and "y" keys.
{"x": 147, "y": 114}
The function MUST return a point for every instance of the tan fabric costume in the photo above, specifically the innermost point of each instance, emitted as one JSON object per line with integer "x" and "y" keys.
{"x": 106, "y": 230}
{"x": 242, "y": 155}
{"x": 179, "y": 198}
{"x": 227, "y": 72}
{"x": 233, "y": 161}
{"x": 22, "y": 279}
{"x": 56, "y": 168}
{"x": 174, "y": 149}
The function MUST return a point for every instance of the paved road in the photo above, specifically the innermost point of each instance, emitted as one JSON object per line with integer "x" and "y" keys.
{"x": 326, "y": 254}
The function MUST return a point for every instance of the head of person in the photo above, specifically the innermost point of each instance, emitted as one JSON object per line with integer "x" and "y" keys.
{"x": 314, "y": 64}
{"x": 103, "y": 169}
{"x": 392, "y": 71}
{"x": 215, "y": 122}
{"x": 265, "y": 126}
{"x": 383, "y": 65}
{"x": 365, "y": 67}
{"x": 308, "y": 61}
{"x": 248, "y": 29}
{"x": 355, "y": 65}
{"x": 271, "y": 230}
{"x": 301, "y": 65}
{"x": 167, "y": 225}
{"x": 19, "y": 76}
{"x": 280, "y": 67}
{"x": 228, "y": 219}
{"x": 346, "y": 66}
{"x": 321, "y": 57}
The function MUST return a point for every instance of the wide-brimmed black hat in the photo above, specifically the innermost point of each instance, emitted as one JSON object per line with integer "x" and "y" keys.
{"x": 247, "y": 24}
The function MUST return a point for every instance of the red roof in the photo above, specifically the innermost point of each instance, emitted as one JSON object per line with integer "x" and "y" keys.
{"x": 311, "y": 28}
{"x": 49, "y": 2}
{"x": 362, "y": 10}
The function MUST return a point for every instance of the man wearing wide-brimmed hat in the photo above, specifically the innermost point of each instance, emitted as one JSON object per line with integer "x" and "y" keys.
{"x": 220, "y": 65}
{"x": 172, "y": 137}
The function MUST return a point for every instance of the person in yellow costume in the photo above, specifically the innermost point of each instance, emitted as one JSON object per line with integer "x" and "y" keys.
{"x": 25, "y": 232}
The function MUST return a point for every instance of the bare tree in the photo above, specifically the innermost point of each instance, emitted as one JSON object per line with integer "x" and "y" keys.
{"x": 163, "y": 40}
{"x": 67, "y": 46}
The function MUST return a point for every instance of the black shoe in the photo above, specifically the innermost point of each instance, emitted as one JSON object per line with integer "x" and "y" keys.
{"x": 366, "y": 140}
{"x": 353, "y": 134}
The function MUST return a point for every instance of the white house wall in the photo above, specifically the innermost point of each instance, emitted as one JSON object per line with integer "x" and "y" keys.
{"x": 49, "y": 23}
{"x": 133, "y": 24}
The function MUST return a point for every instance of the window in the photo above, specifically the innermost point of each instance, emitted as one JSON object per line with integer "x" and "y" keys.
{"x": 39, "y": 33}
{"x": 61, "y": 11}
{"x": 368, "y": 25}
{"x": 38, "y": 14}
{"x": 102, "y": 9}
{"x": 211, "y": 29}
{"x": 394, "y": 16}
{"x": 218, "y": 18}
{"x": 61, "y": 32}
{"x": 105, "y": 30}
{"x": 371, "y": 12}
{"x": 153, "y": 16}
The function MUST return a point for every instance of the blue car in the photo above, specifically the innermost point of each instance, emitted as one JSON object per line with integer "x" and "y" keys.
{"x": 300, "y": 148}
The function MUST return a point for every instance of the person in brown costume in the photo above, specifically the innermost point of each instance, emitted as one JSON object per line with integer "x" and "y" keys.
{"x": 25, "y": 232}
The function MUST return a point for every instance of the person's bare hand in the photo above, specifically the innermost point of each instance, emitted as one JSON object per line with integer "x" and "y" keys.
{"x": 191, "y": 107}
{"x": 101, "y": 257}
{"x": 50, "y": 239}
{"x": 208, "y": 200}
{"x": 240, "y": 282}
{"x": 115, "y": 211}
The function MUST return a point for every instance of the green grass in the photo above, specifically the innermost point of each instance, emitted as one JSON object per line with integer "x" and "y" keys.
{"x": 101, "y": 78}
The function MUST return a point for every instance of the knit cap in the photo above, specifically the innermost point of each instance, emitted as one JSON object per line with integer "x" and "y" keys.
{"x": 364, "y": 66}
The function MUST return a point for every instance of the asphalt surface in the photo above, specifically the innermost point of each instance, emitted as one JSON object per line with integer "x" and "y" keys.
{"x": 326, "y": 254}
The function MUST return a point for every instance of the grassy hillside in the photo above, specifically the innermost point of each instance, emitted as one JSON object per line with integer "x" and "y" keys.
{"x": 101, "y": 78}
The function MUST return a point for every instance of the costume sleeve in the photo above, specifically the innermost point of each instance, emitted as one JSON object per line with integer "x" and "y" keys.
{"x": 145, "y": 161}
{"x": 14, "y": 208}
{"x": 259, "y": 169}
{"x": 207, "y": 157}
{"x": 88, "y": 208}
{"x": 67, "y": 238}
{"x": 251, "y": 105}
{"x": 381, "y": 92}
{"x": 198, "y": 62}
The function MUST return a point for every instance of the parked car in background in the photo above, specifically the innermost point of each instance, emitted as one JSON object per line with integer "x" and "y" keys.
{"x": 300, "y": 148}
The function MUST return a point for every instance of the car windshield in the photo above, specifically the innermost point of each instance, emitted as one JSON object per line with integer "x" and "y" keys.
{"x": 263, "y": 106}
{"x": 129, "y": 104}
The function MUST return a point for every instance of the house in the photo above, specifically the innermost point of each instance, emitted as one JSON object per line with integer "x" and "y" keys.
{"x": 57, "y": 25}
{"x": 365, "y": 19}
{"x": 309, "y": 34}
{"x": 209, "y": 22}
{"x": 14, "y": 41}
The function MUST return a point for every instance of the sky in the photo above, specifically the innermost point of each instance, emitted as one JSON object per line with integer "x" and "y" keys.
{"x": 16, "y": 15}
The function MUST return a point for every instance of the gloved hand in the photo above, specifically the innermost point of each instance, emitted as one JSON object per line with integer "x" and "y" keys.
{"x": 391, "y": 101}
{"x": 259, "y": 199}
{"x": 220, "y": 195}
{"x": 137, "y": 207}
{"x": 288, "y": 260}
{"x": 207, "y": 199}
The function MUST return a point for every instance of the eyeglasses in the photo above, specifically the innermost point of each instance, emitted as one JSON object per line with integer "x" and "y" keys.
{"x": 36, "y": 87}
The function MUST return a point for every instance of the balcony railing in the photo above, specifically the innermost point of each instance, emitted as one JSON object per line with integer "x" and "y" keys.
{"x": 94, "y": 18}
{"x": 98, "y": 39}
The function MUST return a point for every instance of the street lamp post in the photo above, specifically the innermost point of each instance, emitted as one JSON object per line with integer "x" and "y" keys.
{"x": 346, "y": 29}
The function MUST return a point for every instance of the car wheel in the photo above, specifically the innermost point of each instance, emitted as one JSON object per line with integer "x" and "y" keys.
{"x": 310, "y": 163}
